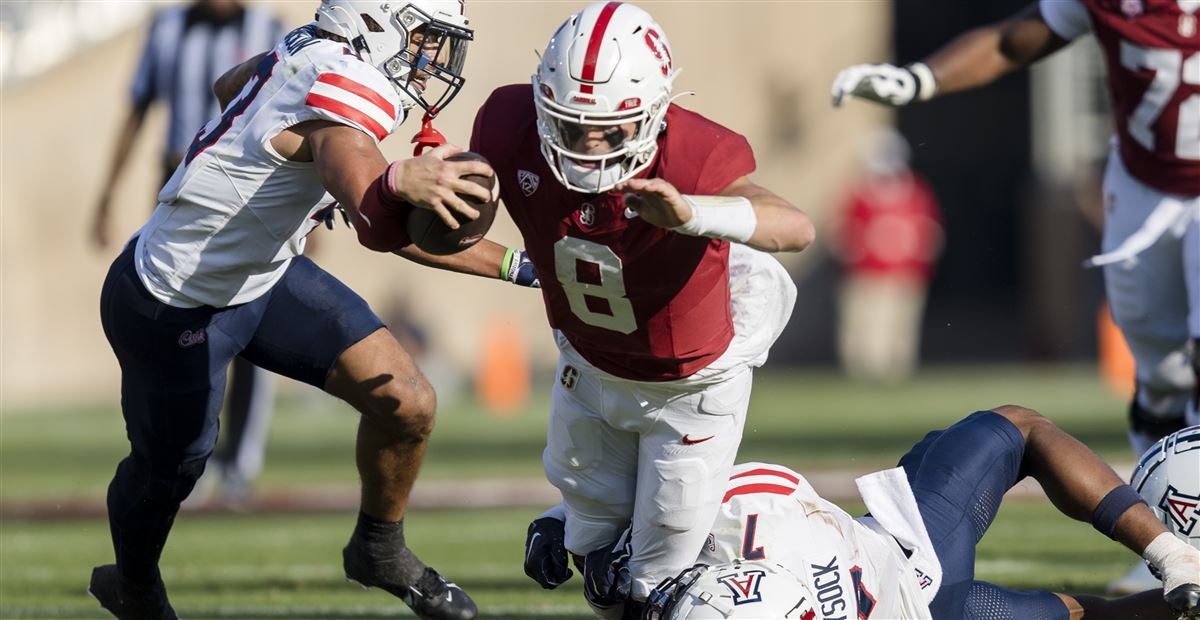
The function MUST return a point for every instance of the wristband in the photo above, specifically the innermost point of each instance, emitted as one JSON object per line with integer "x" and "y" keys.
{"x": 926, "y": 82}
{"x": 506, "y": 272}
{"x": 721, "y": 217}
{"x": 391, "y": 179}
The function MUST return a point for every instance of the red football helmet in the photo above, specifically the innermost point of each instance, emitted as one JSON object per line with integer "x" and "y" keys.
{"x": 601, "y": 91}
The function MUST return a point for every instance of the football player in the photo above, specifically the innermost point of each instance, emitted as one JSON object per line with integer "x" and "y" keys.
{"x": 635, "y": 211}
{"x": 217, "y": 272}
{"x": 913, "y": 555}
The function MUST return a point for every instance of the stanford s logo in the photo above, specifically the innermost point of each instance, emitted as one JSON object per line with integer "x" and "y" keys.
{"x": 528, "y": 181}
{"x": 745, "y": 589}
{"x": 1181, "y": 508}
{"x": 569, "y": 377}
{"x": 587, "y": 215}
{"x": 661, "y": 52}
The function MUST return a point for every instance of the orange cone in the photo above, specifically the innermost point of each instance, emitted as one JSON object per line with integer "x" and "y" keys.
{"x": 1116, "y": 362}
{"x": 503, "y": 382}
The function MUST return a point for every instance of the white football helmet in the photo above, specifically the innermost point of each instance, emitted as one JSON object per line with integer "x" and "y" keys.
{"x": 380, "y": 32}
{"x": 606, "y": 67}
{"x": 739, "y": 589}
{"x": 1168, "y": 478}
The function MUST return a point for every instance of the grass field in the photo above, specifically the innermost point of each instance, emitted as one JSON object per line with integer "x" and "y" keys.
{"x": 288, "y": 565}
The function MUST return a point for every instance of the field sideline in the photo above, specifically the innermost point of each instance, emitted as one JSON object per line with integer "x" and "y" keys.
{"x": 280, "y": 565}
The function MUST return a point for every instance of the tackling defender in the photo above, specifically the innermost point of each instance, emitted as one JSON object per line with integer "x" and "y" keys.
{"x": 628, "y": 205}
{"x": 217, "y": 272}
{"x": 913, "y": 556}
{"x": 1151, "y": 239}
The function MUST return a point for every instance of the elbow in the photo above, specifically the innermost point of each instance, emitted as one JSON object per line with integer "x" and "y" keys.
{"x": 799, "y": 235}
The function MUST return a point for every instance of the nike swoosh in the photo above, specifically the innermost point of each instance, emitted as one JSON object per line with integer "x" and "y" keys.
{"x": 688, "y": 441}
{"x": 529, "y": 550}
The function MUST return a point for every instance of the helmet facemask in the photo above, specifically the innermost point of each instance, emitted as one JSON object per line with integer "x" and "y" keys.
{"x": 561, "y": 130}
{"x": 429, "y": 67}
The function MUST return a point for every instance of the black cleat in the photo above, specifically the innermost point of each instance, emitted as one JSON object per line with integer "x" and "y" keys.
{"x": 128, "y": 600}
{"x": 432, "y": 597}
{"x": 1185, "y": 599}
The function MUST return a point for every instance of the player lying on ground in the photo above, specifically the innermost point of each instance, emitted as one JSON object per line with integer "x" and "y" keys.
{"x": 913, "y": 556}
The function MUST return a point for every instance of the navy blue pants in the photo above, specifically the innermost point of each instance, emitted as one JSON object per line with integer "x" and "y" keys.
{"x": 958, "y": 477}
{"x": 173, "y": 368}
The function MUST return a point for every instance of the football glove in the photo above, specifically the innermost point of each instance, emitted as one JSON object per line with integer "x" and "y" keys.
{"x": 886, "y": 84}
{"x": 606, "y": 579}
{"x": 545, "y": 555}
{"x": 518, "y": 269}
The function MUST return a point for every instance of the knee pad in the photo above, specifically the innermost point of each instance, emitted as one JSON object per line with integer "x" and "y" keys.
{"x": 681, "y": 494}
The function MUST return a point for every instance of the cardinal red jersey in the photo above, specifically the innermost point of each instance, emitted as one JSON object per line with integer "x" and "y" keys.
{"x": 635, "y": 300}
{"x": 1152, "y": 48}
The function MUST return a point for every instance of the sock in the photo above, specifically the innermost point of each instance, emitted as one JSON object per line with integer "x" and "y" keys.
{"x": 387, "y": 551}
{"x": 1177, "y": 561}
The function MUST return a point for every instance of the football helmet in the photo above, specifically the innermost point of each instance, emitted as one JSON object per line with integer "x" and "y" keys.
{"x": 420, "y": 45}
{"x": 607, "y": 69}
{"x": 739, "y": 589}
{"x": 1168, "y": 478}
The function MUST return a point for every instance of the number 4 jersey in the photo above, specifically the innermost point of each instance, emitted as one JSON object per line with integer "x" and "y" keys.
{"x": 637, "y": 301}
{"x": 235, "y": 212}
{"x": 1152, "y": 48}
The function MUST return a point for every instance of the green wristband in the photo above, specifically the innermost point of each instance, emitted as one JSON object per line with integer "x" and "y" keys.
{"x": 506, "y": 264}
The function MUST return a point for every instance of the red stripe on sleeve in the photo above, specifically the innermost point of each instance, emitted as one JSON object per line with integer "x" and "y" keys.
{"x": 365, "y": 92}
{"x": 596, "y": 40}
{"x": 767, "y": 472}
{"x": 746, "y": 489}
{"x": 348, "y": 112}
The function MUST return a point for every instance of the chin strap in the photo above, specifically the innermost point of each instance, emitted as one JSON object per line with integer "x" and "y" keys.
{"x": 428, "y": 137}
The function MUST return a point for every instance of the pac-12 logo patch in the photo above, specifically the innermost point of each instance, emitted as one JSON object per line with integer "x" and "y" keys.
{"x": 528, "y": 181}
{"x": 744, "y": 586}
{"x": 1181, "y": 508}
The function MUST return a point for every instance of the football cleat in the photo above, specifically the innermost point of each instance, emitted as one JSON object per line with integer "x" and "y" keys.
{"x": 432, "y": 597}
{"x": 128, "y": 600}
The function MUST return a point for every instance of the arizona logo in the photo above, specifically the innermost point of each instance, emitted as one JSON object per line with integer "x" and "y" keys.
{"x": 528, "y": 181}
{"x": 745, "y": 588}
{"x": 1181, "y": 508}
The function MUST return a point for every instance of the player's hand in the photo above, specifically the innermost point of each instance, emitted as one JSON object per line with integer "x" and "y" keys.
{"x": 519, "y": 270}
{"x": 545, "y": 555}
{"x": 606, "y": 579}
{"x": 886, "y": 84}
{"x": 656, "y": 201}
{"x": 431, "y": 182}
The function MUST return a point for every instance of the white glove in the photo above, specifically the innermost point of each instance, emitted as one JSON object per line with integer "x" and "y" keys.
{"x": 886, "y": 84}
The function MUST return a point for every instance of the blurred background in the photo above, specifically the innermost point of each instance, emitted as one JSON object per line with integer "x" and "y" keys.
{"x": 989, "y": 203}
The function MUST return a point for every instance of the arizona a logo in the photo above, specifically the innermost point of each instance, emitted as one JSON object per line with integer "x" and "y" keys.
{"x": 744, "y": 586}
{"x": 1182, "y": 509}
{"x": 528, "y": 182}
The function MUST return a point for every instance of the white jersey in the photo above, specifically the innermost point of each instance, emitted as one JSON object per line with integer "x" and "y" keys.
{"x": 855, "y": 567}
{"x": 235, "y": 212}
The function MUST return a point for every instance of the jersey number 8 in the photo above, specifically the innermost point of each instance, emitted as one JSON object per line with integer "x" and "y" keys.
{"x": 591, "y": 277}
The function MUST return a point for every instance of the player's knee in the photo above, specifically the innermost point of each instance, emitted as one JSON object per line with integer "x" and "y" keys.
{"x": 1025, "y": 419}
{"x": 405, "y": 407}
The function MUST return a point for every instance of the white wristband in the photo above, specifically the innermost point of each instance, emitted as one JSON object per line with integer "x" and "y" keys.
{"x": 926, "y": 83}
{"x": 722, "y": 217}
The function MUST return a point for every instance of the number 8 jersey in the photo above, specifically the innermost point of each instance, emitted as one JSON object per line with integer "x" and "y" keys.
{"x": 1152, "y": 48}
{"x": 637, "y": 301}
{"x": 235, "y": 212}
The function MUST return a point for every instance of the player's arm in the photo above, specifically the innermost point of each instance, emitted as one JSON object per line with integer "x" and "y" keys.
{"x": 375, "y": 194}
{"x": 976, "y": 58}
{"x": 232, "y": 81}
{"x": 486, "y": 259}
{"x": 743, "y": 212}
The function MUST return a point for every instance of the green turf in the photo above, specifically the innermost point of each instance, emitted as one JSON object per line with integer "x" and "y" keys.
{"x": 288, "y": 566}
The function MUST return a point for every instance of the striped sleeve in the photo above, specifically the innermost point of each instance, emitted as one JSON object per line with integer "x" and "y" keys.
{"x": 144, "y": 88}
{"x": 370, "y": 105}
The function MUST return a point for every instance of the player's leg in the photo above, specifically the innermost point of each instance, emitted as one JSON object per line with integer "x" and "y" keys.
{"x": 1149, "y": 302}
{"x": 247, "y": 419}
{"x": 683, "y": 469}
{"x": 172, "y": 376}
{"x": 318, "y": 331}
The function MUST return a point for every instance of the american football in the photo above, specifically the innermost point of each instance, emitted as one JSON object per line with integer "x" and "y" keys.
{"x": 432, "y": 235}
